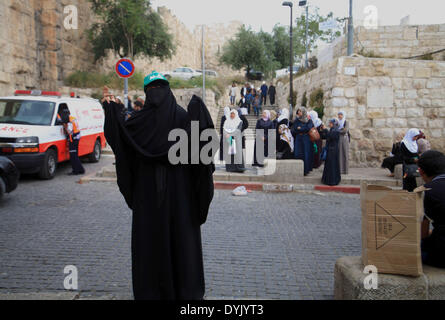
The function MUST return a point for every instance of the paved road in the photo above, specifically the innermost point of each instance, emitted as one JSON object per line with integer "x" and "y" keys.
{"x": 271, "y": 246}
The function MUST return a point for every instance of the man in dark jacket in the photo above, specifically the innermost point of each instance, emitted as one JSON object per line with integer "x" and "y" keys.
{"x": 432, "y": 169}
{"x": 264, "y": 89}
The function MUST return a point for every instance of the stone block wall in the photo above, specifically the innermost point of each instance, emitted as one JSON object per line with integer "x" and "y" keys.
{"x": 396, "y": 42}
{"x": 382, "y": 99}
{"x": 37, "y": 52}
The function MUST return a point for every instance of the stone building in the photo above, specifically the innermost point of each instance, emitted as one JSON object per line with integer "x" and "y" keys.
{"x": 37, "y": 52}
{"x": 382, "y": 97}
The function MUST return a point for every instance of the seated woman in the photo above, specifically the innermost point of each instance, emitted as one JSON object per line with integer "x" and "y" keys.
{"x": 285, "y": 145}
{"x": 394, "y": 159}
{"x": 410, "y": 156}
{"x": 331, "y": 172}
{"x": 432, "y": 169}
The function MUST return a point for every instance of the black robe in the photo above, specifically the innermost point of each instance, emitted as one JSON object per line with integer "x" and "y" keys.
{"x": 244, "y": 127}
{"x": 391, "y": 162}
{"x": 408, "y": 157}
{"x": 331, "y": 172}
{"x": 221, "y": 141}
{"x": 169, "y": 202}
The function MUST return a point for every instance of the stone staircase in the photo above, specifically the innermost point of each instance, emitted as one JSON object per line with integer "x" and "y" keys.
{"x": 251, "y": 118}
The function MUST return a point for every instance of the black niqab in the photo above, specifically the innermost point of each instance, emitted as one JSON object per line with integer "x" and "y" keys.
{"x": 169, "y": 202}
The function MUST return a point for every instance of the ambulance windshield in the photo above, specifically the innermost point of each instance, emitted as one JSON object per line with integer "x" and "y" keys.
{"x": 35, "y": 113}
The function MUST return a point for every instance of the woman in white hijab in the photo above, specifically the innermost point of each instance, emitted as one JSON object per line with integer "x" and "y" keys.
{"x": 345, "y": 139}
{"x": 232, "y": 149}
{"x": 410, "y": 154}
{"x": 284, "y": 118}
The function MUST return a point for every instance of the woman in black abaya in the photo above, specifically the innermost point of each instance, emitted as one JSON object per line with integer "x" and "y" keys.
{"x": 331, "y": 172}
{"x": 169, "y": 202}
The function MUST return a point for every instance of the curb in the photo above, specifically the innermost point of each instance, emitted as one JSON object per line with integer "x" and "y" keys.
{"x": 255, "y": 186}
{"x": 276, "y": 187}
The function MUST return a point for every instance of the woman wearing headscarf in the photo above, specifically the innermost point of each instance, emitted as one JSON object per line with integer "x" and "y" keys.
{"x": 331, "y": 172}
{"x": 232, "y": 136}
{"x": 318, "y": 145}
{"x": 345, "y": 139}
{"x": 262, "y": 128}
{"x": 284, "y": 118}
{"x": 410, "y": 155}
{"x": 273, "y": 118}
{"x": 221, "y": 130}
{"x": 169, "y": 201}
{"x": 423, "y": 143}
{"x": 285, "y": 145}
{"x": 304, "y": 149}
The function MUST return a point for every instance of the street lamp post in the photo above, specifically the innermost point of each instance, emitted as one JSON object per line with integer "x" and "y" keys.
{"x": 307, "y": 27}
{"x": 290, "y": 5}
{"x": 350, "y": 31}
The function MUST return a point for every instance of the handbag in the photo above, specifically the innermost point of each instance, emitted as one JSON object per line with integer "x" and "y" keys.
{"x": 411, "y": 171}
{"x": 324, "y": 154}
{"x": 314, "y": 135}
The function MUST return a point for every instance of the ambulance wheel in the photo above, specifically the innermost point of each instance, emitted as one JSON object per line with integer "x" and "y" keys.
{"x": 95, "y": 156}
{"x": 48, "y": 170}
{"x": 2, "y": 188}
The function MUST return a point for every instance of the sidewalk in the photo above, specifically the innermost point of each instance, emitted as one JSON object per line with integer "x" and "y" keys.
{"x": 253, "y": 178}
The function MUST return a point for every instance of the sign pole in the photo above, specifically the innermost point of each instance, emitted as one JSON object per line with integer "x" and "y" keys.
{"x": 125, "y": 69}
{"x": 203, "y": 67}
{"x": 126, "y": 92}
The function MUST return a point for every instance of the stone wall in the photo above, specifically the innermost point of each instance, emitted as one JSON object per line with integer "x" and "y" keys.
{"x": 390, "y": 42}
{"x": 322, "y": 77}
{"x": 37, "y": 52}
{"x": 188, "y": 47}
{"x": 382, "y": 98}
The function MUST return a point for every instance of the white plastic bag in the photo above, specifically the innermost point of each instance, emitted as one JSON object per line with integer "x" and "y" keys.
{"x": 240, "y": 191}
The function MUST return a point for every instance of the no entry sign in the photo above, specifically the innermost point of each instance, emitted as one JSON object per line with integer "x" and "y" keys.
{"x": 125, "y": 68}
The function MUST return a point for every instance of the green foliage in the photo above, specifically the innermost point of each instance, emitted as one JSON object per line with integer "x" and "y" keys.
{"x": 294, "y": 102}
{"x": 267, "y": 52}
{"x": 249, "y": 50}
{"x": 82, "y": 79}
{"x": 428, "y": 56}
{"x": 304, "y": 100}
{"x": 314, "y": 33}
{"x": 129, "y": 28}
{"x": 282, "y": 42}
{"x": 316, "y": 102}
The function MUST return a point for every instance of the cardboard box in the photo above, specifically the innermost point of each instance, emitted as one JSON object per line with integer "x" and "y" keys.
{"x": 391, "y": 229}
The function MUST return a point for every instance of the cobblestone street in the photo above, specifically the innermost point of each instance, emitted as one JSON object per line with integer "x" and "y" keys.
{"x": 265, "y": 245}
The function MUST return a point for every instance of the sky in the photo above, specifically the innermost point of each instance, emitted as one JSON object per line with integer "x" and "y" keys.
{"x": 264, "y": 14}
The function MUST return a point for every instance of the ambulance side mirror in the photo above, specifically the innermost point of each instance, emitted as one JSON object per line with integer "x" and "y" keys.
{"x": 58, "y": 122}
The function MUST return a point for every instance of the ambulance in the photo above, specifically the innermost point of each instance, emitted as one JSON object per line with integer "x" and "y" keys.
{"x": 32, "y": 136}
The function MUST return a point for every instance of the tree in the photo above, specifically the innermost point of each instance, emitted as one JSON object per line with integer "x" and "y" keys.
{"x": 282, "y": 42}
{"x": 129, "y": 28}
{"x": 314, "y": 33}
{"x": 249, "y": 50}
